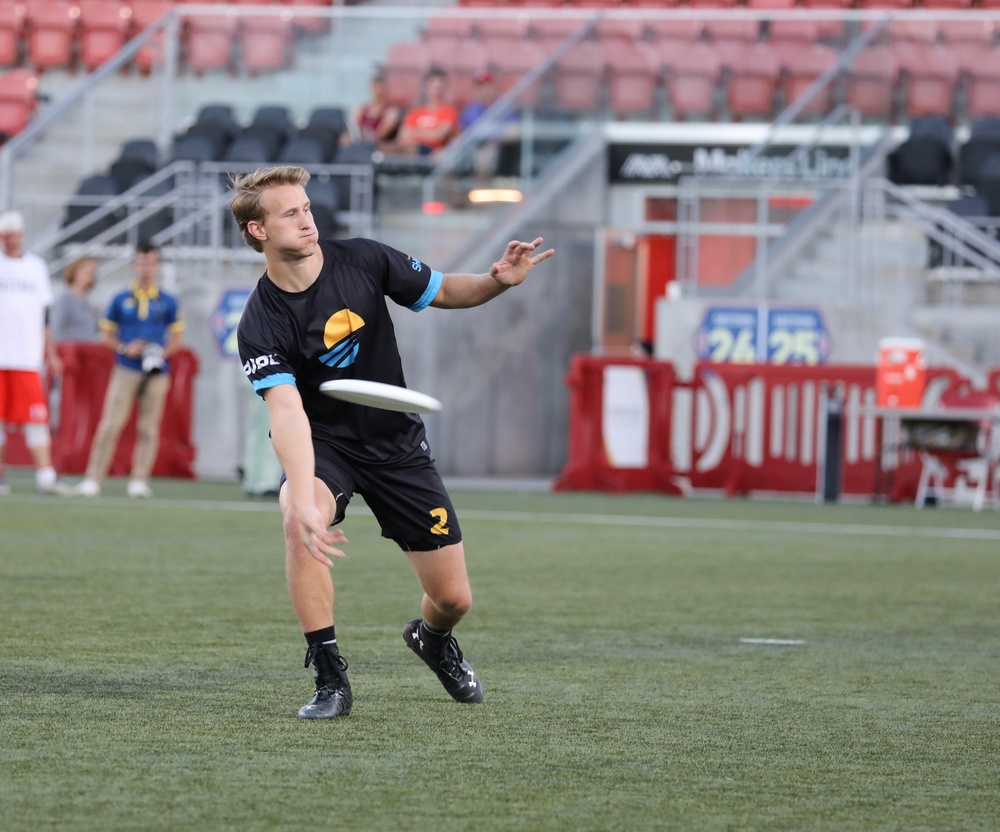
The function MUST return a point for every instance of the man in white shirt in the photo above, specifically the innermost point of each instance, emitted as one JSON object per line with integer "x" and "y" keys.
{"x": 25, "y": 342}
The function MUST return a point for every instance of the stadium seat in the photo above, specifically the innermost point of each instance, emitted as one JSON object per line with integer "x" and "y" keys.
{"x": 326, "y": 125}
{"x": 961, "y": 33}
{"x": 51, "y": 33}
{"x": 136, "y": 160}
{"x": 91, "y": 193}
{"x": 871, "y": 81}
{"x": 18, "y": 101}
{"x": 512, "y": 60}
{"x": 323, "y": 194}
{"x": 732, "y": 33}
{"x": 632, "y": 79}
{"x": 209, "y": 43}
{"x": 981, "y": 80}
{"x": 144, "y": 14}
{"x": 406, "y": 64}
{"x": 274, "y": 123}
{"x": 303, "y": 150}
{"x": 161, "y": 218}
{"x": 195, "y": 148}
{"x": 801, "y": 64}
{"x": 795, "y": 31}
{"x": 11, "y": 32}
{"x": 929, "y": 74}
{"x": 628, "y": 30}
{"x": 578, "y": 76}
{"x": 104, "y": 28}
{"x": 450, "y": 29}
{"x": 550, "y": 32}
{"x": 265, "y": 44}
{"x": 504, "y": 28}
{"x": 675, "y": 30}
{"x": 250, "y": 149}
{"x": 753, "y": 73}
{"x": 308, "y": 24}
{"x": 691, "y": 74}
{"x": 983, "y": 143}
{"x": 913, "y": 31}
{"x": 926, "y": 156}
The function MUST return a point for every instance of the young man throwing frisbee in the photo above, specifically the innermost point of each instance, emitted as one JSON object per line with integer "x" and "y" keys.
{"x": 318, "y": 314}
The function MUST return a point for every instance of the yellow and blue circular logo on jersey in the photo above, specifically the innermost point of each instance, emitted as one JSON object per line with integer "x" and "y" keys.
{"x": 340, "y": 337}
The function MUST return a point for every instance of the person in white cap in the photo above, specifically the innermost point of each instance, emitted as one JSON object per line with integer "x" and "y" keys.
{"x": 25, "y": 345}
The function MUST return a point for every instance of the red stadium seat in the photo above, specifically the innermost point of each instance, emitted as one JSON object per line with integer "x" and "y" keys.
{"x": 51, "y": 29}
{"x": 621, "y": 29}
{"x": 871, "y": 80}
{"x": 913, "y": 31}
{"x": 736, "y": 32}
{"x": 753, "y": 75}
{"x": 958, "y": 33}
{"x": 405, "y": 66}
{"x": 981, "y": 67}
{"x": 801, "y": 65}
{"x": 691, "y": 73}
{"x": 947, "y": 4}
{"x": 930, "y": 75}
{"x": 511, "y": 61}
{"x": 632, "y": 77}
{"x": 449, "y": 28}
{"x": 578, "y": 76}
{"x": 11, "y": 31}
{"x": 265, "y": 44}
{"x": 800, "y": 31}
{"x": 461, "y": 60}
{"x": 104, "y": 28}
{"x": 303, "y": 22}
{"x": 144, "y": 14}
{"x": 681, "y": 30}
{"x": 18, "y": 101}
{"x": 209, "y": 43}
{"x": 505, "y": 28}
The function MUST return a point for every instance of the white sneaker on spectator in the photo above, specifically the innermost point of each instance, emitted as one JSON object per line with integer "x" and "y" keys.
{"x": 89, "y": 488}
{"x": 55, "y": 487}
{"x": 137, "y": 488}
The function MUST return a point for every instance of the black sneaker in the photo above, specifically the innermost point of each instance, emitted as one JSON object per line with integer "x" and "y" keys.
{"x": 333, "y": 692}
{"x": 445, "y": 658}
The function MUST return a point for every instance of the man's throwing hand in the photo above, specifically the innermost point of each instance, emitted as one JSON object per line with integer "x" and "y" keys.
{"x": 517, "y": 261}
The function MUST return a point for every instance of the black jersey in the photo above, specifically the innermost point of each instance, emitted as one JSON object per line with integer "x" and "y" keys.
{"x": 340, "y": 328}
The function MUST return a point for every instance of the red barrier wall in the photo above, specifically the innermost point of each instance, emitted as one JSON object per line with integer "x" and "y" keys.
{"x": 742, "y": 428}
{"x": 86, "y": 370}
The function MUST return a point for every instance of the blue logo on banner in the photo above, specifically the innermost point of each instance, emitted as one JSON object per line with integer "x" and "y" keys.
{"x": 749, "y": 335}
{"x": 226, "y": 318}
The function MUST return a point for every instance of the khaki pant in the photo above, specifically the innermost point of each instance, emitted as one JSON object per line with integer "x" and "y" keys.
{"x": 123, "y": 388}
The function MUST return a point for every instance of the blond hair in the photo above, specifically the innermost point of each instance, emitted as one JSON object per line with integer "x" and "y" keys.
{"x": 73, "y": 268}
{"x": 249, "y": 188}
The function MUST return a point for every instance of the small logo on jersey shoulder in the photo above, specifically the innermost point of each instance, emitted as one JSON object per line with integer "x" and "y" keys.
{"x": 415, "y": 264}
{"x": 340, "y": 336}
{"x": 259, "y": 363}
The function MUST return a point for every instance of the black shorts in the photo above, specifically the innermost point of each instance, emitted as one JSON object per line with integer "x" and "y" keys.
{"x": 408, "y": 499}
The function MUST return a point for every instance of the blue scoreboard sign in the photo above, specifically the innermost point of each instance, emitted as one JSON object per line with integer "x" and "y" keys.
{"x": 752, "y": 335}
{"x": 226, "y": 318}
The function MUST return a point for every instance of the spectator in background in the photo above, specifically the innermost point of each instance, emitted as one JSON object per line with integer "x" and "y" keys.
{"x": 25, "y": 346}
{"x": 73, "y": 318}
{"x": 143, "y": 326}
{"x": 488, "y": 146}
{"x": 376, "y": 121}
{"x": 429, "y": 126}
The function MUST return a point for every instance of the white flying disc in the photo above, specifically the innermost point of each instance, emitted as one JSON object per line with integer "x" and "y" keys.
{"x": 377, "y": 394}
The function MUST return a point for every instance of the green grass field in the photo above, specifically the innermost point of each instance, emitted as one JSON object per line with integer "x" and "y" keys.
{"x": 151, "y": 669}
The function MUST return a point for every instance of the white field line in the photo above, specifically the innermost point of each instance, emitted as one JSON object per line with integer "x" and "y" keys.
{"x": 772, "y": 641}
{"x": 611, "y": 520}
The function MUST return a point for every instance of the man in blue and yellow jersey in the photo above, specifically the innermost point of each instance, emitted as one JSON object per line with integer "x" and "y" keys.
{"x": 143, "y": 325}
{"x": 319, "y": 313}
